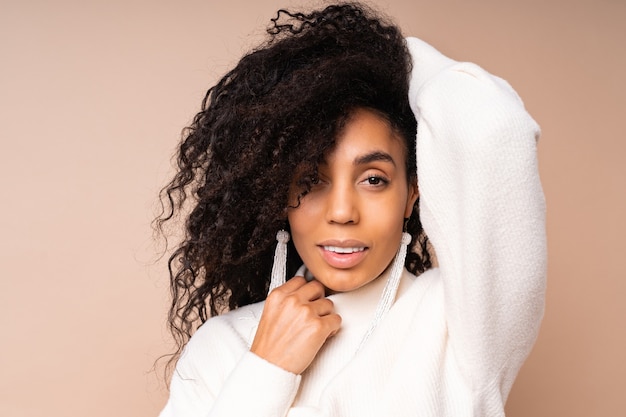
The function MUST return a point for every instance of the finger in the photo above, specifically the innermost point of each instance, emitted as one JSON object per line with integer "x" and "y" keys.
{"x": 323, "y": 306}
{"x": 333, "y": 321}
{"x": 293, "y": 284}
{"x": 312, "y": 290}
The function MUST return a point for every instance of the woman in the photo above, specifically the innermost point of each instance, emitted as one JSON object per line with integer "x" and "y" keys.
{"x": 313, "y": 136}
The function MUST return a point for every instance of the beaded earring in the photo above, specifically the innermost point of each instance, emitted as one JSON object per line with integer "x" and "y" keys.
{"x": 391, "y": 287}
{"x": 279, "y": 269}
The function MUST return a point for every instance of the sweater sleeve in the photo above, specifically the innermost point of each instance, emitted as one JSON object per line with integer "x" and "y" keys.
{"x": 218, "y": 377}
{"x": 482, "y": 206}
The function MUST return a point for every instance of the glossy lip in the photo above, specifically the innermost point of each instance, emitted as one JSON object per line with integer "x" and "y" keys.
{"x": 343, "y": 260}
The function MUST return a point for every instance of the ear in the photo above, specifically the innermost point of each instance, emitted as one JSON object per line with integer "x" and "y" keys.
{"x": 411, "y": 197}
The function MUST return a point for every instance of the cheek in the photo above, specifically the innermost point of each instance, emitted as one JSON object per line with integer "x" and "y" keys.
{"x": 387, "y": 232}
{"x": 389, "y": 210}
{"x": 386, "y": 220}
{"x": 301, "y": 224}
{"x": 307, "y": 212}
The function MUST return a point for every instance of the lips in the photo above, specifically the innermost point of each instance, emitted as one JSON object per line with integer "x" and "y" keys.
{"x": 343, "y": 254}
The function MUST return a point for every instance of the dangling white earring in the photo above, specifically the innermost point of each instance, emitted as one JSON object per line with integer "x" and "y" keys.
{"x": 391, "y": 287}
{"x": 279, "y": 269}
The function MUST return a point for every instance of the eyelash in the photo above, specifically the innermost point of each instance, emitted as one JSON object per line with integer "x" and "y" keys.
{"x": 378, "y": 179}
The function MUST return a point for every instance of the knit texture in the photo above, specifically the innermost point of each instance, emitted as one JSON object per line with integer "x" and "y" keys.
{"x": 456, "y": 336}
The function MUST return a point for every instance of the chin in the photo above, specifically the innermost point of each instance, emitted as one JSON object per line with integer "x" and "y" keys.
{"x": 344, "y": 282}
{"x": 334, "y": 289}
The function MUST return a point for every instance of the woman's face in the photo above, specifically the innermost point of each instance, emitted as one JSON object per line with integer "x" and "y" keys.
{"x": 347, "y": 229}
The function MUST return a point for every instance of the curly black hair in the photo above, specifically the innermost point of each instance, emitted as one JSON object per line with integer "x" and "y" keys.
{"x": 276, "y": 113}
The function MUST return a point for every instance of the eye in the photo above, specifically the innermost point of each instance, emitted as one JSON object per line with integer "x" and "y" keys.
{"x": 376, "y": 181}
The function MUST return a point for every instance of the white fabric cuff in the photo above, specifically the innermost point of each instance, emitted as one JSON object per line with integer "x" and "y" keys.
{"x": 257, "y": 387}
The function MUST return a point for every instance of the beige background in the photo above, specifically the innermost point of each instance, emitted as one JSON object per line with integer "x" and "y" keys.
{"x": 93, "y": 95}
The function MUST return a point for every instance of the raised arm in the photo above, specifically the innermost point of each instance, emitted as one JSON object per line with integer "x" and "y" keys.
{"x": 482, "y": 206}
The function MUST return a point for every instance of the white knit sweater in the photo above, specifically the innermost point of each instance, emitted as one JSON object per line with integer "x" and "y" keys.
{"x": 456, "y": 336}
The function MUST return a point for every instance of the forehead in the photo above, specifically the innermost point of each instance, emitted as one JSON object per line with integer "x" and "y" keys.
{"x": 366, "y": 131}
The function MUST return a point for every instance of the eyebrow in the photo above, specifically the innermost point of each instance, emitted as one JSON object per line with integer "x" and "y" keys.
{"x": 374, "y": 156}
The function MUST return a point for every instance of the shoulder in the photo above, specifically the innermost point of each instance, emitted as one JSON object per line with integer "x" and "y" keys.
{"x": 412, "y": 286}
{"x": 224, "y": 338}
{"x": 239, "y": 325}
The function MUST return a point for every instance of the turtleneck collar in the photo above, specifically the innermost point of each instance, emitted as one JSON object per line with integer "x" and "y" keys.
{"x": 357, "y": 307}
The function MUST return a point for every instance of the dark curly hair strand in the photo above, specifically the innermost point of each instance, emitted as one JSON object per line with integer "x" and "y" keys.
{"x": 276, "y": 113}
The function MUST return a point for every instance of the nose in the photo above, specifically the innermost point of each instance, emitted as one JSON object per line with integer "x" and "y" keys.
{"x": 342, "y": 205}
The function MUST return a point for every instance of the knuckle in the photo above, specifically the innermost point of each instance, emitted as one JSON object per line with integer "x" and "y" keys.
{"x": 290, "y": 302}
{"x": 274, "y": 297}
{"x": 307, "y": 312}
{"x": 316, "y": 326}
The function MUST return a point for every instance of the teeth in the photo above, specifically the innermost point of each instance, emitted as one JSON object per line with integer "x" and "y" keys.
{"x": 338, "y": 249}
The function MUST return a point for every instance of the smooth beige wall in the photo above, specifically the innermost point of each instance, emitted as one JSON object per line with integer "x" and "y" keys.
{"x": 93, "y": 95}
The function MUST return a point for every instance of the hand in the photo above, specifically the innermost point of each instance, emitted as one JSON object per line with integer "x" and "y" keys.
{"x": 296, "y": 322}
